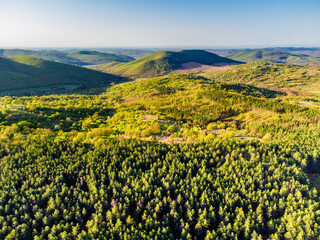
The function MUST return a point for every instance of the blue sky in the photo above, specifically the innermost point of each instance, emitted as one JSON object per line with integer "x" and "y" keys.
{"x": 155, "y": 23}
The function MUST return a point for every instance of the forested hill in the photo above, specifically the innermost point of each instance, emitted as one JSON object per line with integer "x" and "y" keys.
{"x": 174, "y": 157}
{"x": 163, "y": 62}
{"x": 23, "y": 73}
{"x": 80, "y": 58}
{"x": 95, "y": 57}
{"x": 275, "y": 57}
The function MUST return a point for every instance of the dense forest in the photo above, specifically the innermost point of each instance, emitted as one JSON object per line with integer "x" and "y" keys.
{"x": 193, "y": 156}
{"x": 132, "y": 189}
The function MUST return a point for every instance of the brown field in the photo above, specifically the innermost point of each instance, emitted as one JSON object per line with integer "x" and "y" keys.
{"x": 190, "y": 67}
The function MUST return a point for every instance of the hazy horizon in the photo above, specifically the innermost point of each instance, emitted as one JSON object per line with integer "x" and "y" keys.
{"x": 159, "y": 24}
{"x": 157, "y": 47}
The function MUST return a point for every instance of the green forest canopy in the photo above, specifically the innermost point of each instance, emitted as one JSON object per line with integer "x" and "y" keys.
{"x": 174, "y": 157}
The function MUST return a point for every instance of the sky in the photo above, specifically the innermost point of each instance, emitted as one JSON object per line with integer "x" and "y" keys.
{"x": 159, "y": 23}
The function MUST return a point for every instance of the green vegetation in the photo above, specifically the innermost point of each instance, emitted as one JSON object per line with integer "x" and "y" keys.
{"x": 80, "y": 58}
{"x": 46, "y": 55}
{"x": 28, "y": 73}
{"x": 275, "y": 57}
{"x": 294, "y": 80}
{"x": 94, "y": 57}
{"x": 128, "y": 189}
{"x": 173, "y": 157}
{"x": 161, "y": 63}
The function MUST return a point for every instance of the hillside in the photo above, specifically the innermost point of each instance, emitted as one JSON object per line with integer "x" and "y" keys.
{"x": 311, "y": 52}
{"x": 55, "y": 56}
{"x": 294, "y": 80}
{"x": 172, "y": 157}
{"x": 275, "y": 57}
{"x": 163, "y": 62}
{"x": 80, "y": 58}
{"x": 24, "y": 74}
{"x": 94, "y": 57}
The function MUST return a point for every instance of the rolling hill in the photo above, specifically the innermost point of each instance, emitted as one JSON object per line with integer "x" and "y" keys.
{"x": 183, "y": 156}
{"x": 26, "y": 74}
{"x": 163, "y": 62}
{"x": 311, "y": 51}
{"x": 80, "y": 58}
{"x": 56, "y": 56}
{"x": 294, "y": 80}
{"x": 135, "y": 53}
{"x": 275, "y": 57}
{"x": 94, "y": 57}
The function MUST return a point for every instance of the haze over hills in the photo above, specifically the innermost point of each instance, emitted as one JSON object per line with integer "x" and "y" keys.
{"x": 52, "y": 55}
{"x": 80, "y": 58}
{"x": 25, "y": 73}
{"x": 275, "y": 57}
{"x": 163, "y": 62}
{"x": 310, "y": 51}
{"x": 95, "y": 57}
{"x": 134, "y": 53}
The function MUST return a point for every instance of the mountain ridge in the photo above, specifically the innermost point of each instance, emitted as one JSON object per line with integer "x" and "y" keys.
{"x": 162, "y": 62}
{"x": 275, "y": 57}
{"x": 80, "y": 58}
{"x": 24, "y": 72}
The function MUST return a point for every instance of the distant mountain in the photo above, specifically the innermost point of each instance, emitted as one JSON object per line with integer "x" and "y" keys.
{"x": 163, "y": 62}
{"x": 47, "y": 55}
{"x": 310, "y": 52}
{"x": 275, "y": 57}
{"x": 27, "y": 73}
{"x": 94, "y": 57}
{"x": 135, "y": 53}
{"x": 80, "y": 58}
{"x": 292, "y": 49}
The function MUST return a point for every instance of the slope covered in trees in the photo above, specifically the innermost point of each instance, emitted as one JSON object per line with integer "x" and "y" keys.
{"x": 172, "y": 157}
{"x": 275, "y": 57}
{"x": 80, "y": 58}
{"x": 313, "y": 52}
{"x": 94, "y": 57}
{"x": 162, "y": 62}
{"x": 130, "y": 189}
{"x": 28, "y": 73}
{"x": 295, "y": 80}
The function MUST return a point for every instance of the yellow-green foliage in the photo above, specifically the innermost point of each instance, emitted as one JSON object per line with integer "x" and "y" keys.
{"x": 293, "y": 80}
{"x": 233, "y": 165}
{"x": 162, "y": 62}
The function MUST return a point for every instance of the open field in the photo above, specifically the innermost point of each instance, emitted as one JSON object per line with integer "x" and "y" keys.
{"x": 191, "y": 67}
